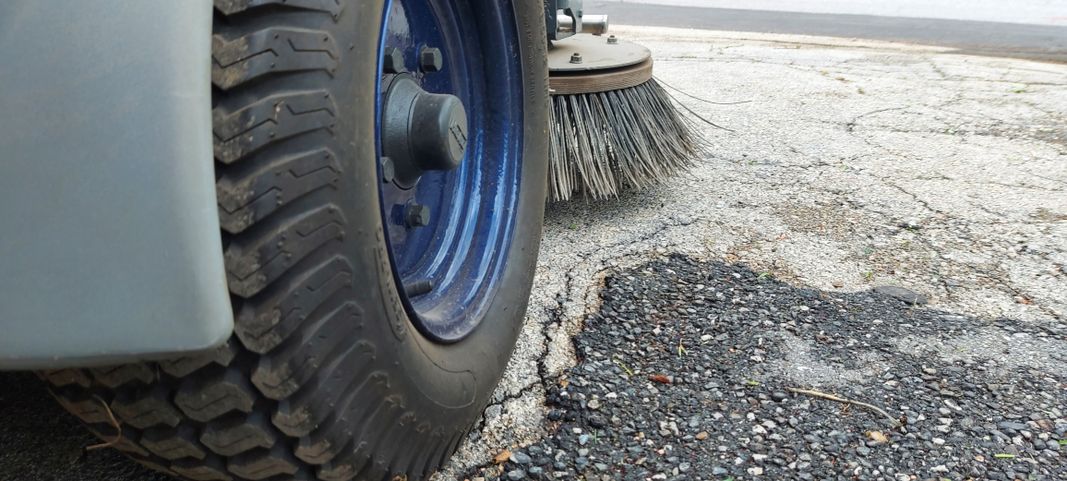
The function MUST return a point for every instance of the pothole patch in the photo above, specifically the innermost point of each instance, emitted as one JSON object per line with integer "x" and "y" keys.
{"x": 685, "y": 373}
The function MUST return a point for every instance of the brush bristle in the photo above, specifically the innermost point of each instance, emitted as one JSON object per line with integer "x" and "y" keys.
{"x": 605, "y": 142}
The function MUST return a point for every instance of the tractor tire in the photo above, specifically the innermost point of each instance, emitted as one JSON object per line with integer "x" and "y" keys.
{"x": 325, "y": 376}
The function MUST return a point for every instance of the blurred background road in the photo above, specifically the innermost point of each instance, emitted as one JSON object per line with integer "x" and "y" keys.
{"x": 1032, "y": 29}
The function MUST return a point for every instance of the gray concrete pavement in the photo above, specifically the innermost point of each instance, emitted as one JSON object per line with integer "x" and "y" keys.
{"x": 853, "y": 164}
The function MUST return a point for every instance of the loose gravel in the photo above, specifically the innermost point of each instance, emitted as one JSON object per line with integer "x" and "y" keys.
{"x": 684, "y": 372}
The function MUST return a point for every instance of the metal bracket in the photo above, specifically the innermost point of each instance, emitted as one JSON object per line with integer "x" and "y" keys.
{"x": 571, "y": 9}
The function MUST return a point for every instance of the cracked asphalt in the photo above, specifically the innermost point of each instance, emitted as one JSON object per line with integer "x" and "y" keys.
{"x": 847, "y": 165}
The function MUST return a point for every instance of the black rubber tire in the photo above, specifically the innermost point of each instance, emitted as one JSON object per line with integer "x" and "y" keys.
{"x": 325, "y": 377}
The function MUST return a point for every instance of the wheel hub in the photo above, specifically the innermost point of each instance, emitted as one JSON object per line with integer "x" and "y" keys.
{"x": 421, "y": 131}
{"x": 450, "y": 135}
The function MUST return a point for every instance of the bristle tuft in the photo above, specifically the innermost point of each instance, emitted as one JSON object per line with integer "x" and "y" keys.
{"x": 605, "y": 142}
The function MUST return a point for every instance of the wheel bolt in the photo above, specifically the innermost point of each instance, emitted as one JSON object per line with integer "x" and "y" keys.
{"x": 612, "y": 40}
{"x": 430, "y": 59}
{"x": 576, "y": 57}
{"x": 393, "y": 60}
{"x": 417, "y": 215}
{"x": 418, "y": 288}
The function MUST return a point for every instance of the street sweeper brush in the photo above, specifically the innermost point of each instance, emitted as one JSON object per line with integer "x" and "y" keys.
{"x": 613, "y": 125}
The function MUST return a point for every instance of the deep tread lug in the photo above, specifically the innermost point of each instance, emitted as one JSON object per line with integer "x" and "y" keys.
{"x": 185, "y": 366}
{"x": 246, "y": 199}
{"x": 253, "y": 264}
{"x": 225, "y": 391}
{"x": 262, "y": 464}
{"x": 262, "y": 326}
{"x": 270, "y": 120}
{"x": 146, "y": 408}
{"x": 361, "y": 458}
{"x": 127, "y": 442}
{"x": 302, "y": 412}
{"x": 271, "y": 50}
{"x": 282, "y": 374}
{"x": 238, "y": 434}
{"x": 90, "y": 409}
{"x": 173, "y": 444}
{"x": 116, "y": 376}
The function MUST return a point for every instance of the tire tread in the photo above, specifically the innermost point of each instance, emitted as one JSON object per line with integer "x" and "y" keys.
{"x": 302, "y": 390}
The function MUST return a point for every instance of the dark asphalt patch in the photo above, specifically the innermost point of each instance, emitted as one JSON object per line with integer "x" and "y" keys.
{"x": 683, "y": 372}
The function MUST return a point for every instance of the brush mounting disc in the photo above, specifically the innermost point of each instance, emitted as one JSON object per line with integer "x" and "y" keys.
{"x": 585, "y": 63}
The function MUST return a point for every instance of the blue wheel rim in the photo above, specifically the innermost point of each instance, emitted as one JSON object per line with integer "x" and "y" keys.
{"x": 461, "y": 252}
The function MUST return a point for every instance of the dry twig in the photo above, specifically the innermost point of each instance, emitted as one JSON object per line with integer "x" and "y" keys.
{"x": 846, "y": 401}
{"x": 114, "y": 423}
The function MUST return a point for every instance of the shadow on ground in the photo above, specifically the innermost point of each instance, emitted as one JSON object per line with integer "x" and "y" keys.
{"x": 683, "y": 374}
{"x": 41, "y": 442}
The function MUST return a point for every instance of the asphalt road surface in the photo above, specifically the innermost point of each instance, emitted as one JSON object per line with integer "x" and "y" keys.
{"x": 852, "y": 169}
{"x": 1040, "y": 42}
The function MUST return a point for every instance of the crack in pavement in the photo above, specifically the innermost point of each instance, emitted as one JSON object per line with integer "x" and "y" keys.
{"x": 974, "y": 235}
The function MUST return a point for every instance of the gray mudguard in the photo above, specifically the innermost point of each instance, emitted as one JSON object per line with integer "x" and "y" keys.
{"x": 109, "y": 237}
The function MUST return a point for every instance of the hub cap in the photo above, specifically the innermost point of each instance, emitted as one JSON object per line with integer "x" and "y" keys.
{"x": 421, "y": 131}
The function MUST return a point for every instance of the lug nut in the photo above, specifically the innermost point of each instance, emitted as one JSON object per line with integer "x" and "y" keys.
{"x": 612, "y": 40}
{"x": 576, "y": 57}
{"x": 393, "y": 60}
{"x": 430, "y": 59}
{"x": 417, "y": 215}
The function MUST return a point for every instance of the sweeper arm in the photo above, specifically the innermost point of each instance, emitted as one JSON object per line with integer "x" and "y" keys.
{"x": 564, "y": 18}
{"x": 568, "y": 9}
